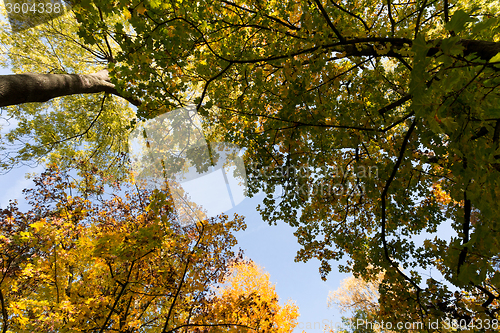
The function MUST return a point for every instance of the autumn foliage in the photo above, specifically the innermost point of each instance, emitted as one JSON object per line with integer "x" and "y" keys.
{"x": 249, "y": 297}
{"x": 81, "y": 260}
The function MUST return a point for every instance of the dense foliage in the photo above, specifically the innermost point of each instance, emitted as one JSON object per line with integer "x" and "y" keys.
{"x": 379, "y": 120}
{"x": 84, "y": 127}
{"x": 81, "y": 260}
{"x": 367, "y": 123}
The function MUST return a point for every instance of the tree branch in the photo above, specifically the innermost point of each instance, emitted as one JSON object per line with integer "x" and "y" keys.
{"x": 384, "y": 195}
{"x": 39, "y": 88}
{"x": 181, "y": 283}
{"x": 394, "y": 104}
{"x": 328, "y": 21}
{"x": 446, "y": 11}
{"x": 88, "y": 128}
{"x": 419, "y": 17}
{"x": 122, "y": 291}
{"x": 211, "y": 325}
{"x": 350, "y": 13}
{"x": 5, "y": 316}
{"x": 391, "y": 19}
{"x": 465, "y": 228}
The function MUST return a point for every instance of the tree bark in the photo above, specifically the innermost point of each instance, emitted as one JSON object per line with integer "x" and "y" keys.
{"x": 28, "y": 88}
{"x": 365, "y": 47}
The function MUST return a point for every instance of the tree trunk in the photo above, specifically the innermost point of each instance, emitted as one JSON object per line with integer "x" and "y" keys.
{"x": 28, "y": 88}
{"x": 365, "y": 47}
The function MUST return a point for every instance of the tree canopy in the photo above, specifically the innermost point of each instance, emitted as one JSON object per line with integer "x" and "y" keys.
{"x": 50, "y": 60}
{"x": 365, "y": 122}
{"x": 82, "y": 261}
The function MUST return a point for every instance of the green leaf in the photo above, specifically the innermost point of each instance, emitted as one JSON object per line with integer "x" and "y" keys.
{"x": 483, "y": 25}
{"x": 458, "y": 21}
{"x": 449, "y": 123}
{"x": 451, "y": 46}
{"x": 496, "y": 279}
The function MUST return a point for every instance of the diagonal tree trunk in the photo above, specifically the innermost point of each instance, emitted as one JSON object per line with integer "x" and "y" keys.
{"x": 28, "y": 88}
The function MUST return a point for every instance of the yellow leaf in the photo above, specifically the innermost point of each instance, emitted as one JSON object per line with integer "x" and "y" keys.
{"x": 141, "y": 9}
{"x": 496, "y": 58}
{"x": 127, "y": 14}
